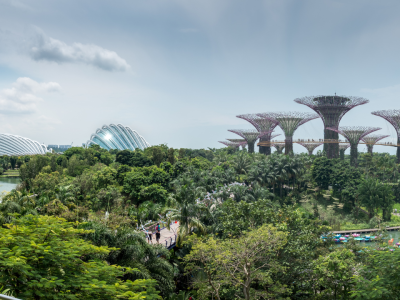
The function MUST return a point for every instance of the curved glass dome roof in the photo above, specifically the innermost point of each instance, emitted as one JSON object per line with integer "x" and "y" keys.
{"x": 17, "y": 145}
{"x": 117, "y": 137}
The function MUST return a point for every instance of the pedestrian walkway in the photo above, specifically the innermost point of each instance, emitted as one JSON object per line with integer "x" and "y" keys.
{"x": 168, "y": 237}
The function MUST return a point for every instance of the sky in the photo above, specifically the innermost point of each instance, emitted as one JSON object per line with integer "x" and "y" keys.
{"x": 178, "y": 71}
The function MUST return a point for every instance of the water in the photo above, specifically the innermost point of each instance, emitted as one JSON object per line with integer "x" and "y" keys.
{"x": 7, "y": 184}
{"x": 395, "y": 235}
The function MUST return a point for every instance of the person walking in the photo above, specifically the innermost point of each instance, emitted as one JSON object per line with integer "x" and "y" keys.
{"x": 149, "y": 237}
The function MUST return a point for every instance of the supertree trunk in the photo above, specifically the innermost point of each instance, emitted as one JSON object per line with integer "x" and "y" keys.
{"x": 267, "y": 151}
{"x": 288, "y": 145}
{"x": 251, "y": 147}
{"x": 370, "y": 148}
{"x": 331, "y": 149}
{"x": 342, "y": 154}
{"x": 353, "y": 155}
{"x": 398, "y": 151}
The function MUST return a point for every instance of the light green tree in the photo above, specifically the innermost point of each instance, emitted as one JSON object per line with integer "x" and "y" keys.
{"x": 238, "y": 263}
{"x": 43, "y": 257}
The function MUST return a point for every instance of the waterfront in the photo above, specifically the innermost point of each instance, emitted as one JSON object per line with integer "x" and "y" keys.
{"x": 7, "y": 184}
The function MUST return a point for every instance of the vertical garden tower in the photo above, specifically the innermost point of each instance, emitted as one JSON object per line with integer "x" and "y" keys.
{"x": 262, "y": 125}
{"x": 393, "y": 117}
{"x": 250, "y": 135}
{"x": 331, "y": 109}
{"x": 289, "y": 122}
{"x": 354, "y": 136}
{"x": 371, "y": 140}
{"x": 309, "y": 146}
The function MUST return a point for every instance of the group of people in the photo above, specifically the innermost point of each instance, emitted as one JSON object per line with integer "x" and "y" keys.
{"x": 157, "y": 232}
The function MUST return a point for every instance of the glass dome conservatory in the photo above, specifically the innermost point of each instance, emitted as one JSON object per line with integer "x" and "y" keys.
{"x": 117, "y": 137}
{"x": 11, "y": 144}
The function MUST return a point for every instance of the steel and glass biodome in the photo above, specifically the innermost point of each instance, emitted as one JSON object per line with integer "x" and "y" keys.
{"x": 11, "y": 144}
{"x": 117, "y": 137}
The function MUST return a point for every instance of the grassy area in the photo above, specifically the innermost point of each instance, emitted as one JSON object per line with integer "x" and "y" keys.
{"x": 338, "y": 219}
{"x": 10, "y": 174}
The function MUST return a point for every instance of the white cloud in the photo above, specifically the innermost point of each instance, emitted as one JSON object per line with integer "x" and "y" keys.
{"x": 22, "y": 97}
{"x": 47, "y": 48}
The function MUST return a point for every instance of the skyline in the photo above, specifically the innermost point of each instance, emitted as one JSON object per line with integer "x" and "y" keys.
{"x": 179, "y": 73}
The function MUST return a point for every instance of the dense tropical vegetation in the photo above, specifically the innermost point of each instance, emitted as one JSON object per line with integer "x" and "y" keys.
{"x": 249, "y": 225}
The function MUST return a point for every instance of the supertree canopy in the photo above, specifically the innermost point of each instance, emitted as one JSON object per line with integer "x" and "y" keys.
{"x": 289, "y": 122}
{"x": 371, "y": 140}
{"x": 393, "y": 117}
{"x": 237, "y": 140}
{"x": 230, "y": 144}
{"x": 279, "y": 147}
{"x": 331, "y": 109}
{"x": 354, "y": 134}
{"x": 262, "y": 125}
{"x": 250, "y": 135}
{"x": 342, "y": 149}
{"x": 310, "y": 146}
{"x": 242, "y": 142}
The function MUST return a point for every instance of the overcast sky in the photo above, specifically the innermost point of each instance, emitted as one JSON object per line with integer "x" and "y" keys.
{"x": 179, "y": 71}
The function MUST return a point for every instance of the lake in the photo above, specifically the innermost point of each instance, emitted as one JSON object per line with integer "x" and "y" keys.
{"x": 7, "y": 184}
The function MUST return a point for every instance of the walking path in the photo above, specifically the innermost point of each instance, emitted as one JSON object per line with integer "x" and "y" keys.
{"x": 168, "y": 237}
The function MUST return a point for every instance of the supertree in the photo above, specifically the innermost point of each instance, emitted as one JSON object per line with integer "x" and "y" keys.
{"x": 310, "y": 146}
{"x": 231, "y": 144}
{"x": 250, "y": 135}
{"x": 342, "y": 149}
{"x": 371, "y": 140}
{"x": 289, "y": 122}
{"x": 354, "y": 135}
{"x": 262, "y": 125}
{"x": 393, "y": 117}
{"x": 331, "y": 109}
{"x": 279, "y": 147}
{"x": 242, "y": 142}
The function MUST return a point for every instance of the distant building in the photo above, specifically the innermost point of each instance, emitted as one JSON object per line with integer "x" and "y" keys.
{"x": 11, "y": 145}
{"x": 117, "y": 137}
{"x": 59, "y": 148}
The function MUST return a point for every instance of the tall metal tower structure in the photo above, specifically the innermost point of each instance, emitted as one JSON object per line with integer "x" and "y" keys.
{"x": 393, "y": 117}
{"x": 250, "y": 135}
{"x": 354, "y": 136}
{"x": 342, "y": 149}
{"x": 309, "y": 146}
{"x": 231, "y": 144}
{"x": 242, "y": 142}
{"x": 331, "y": 109}
{"x": 289, "y": 122}
{"x": 279, "y": 147}
{"x": 262, "y": 125}
{"x": 371, "y": 140}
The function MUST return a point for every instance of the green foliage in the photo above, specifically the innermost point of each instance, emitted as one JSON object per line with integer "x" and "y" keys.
{"x": 379, "y": 277}
{"x": 321, "y": 171}
{"x": 43, "y": 257}
{"x": 239, "y": 264}
{"x": 375, "y": 195}
{"x": 333, "y": 275}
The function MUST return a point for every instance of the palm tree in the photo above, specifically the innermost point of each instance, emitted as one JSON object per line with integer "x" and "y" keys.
{"x": 133, "y": 251}
{"x": 187, "y": 210}
{"x": 242, "y": 162}
{"x": 65, "y": 195}
{"x": 16, "y": 202}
